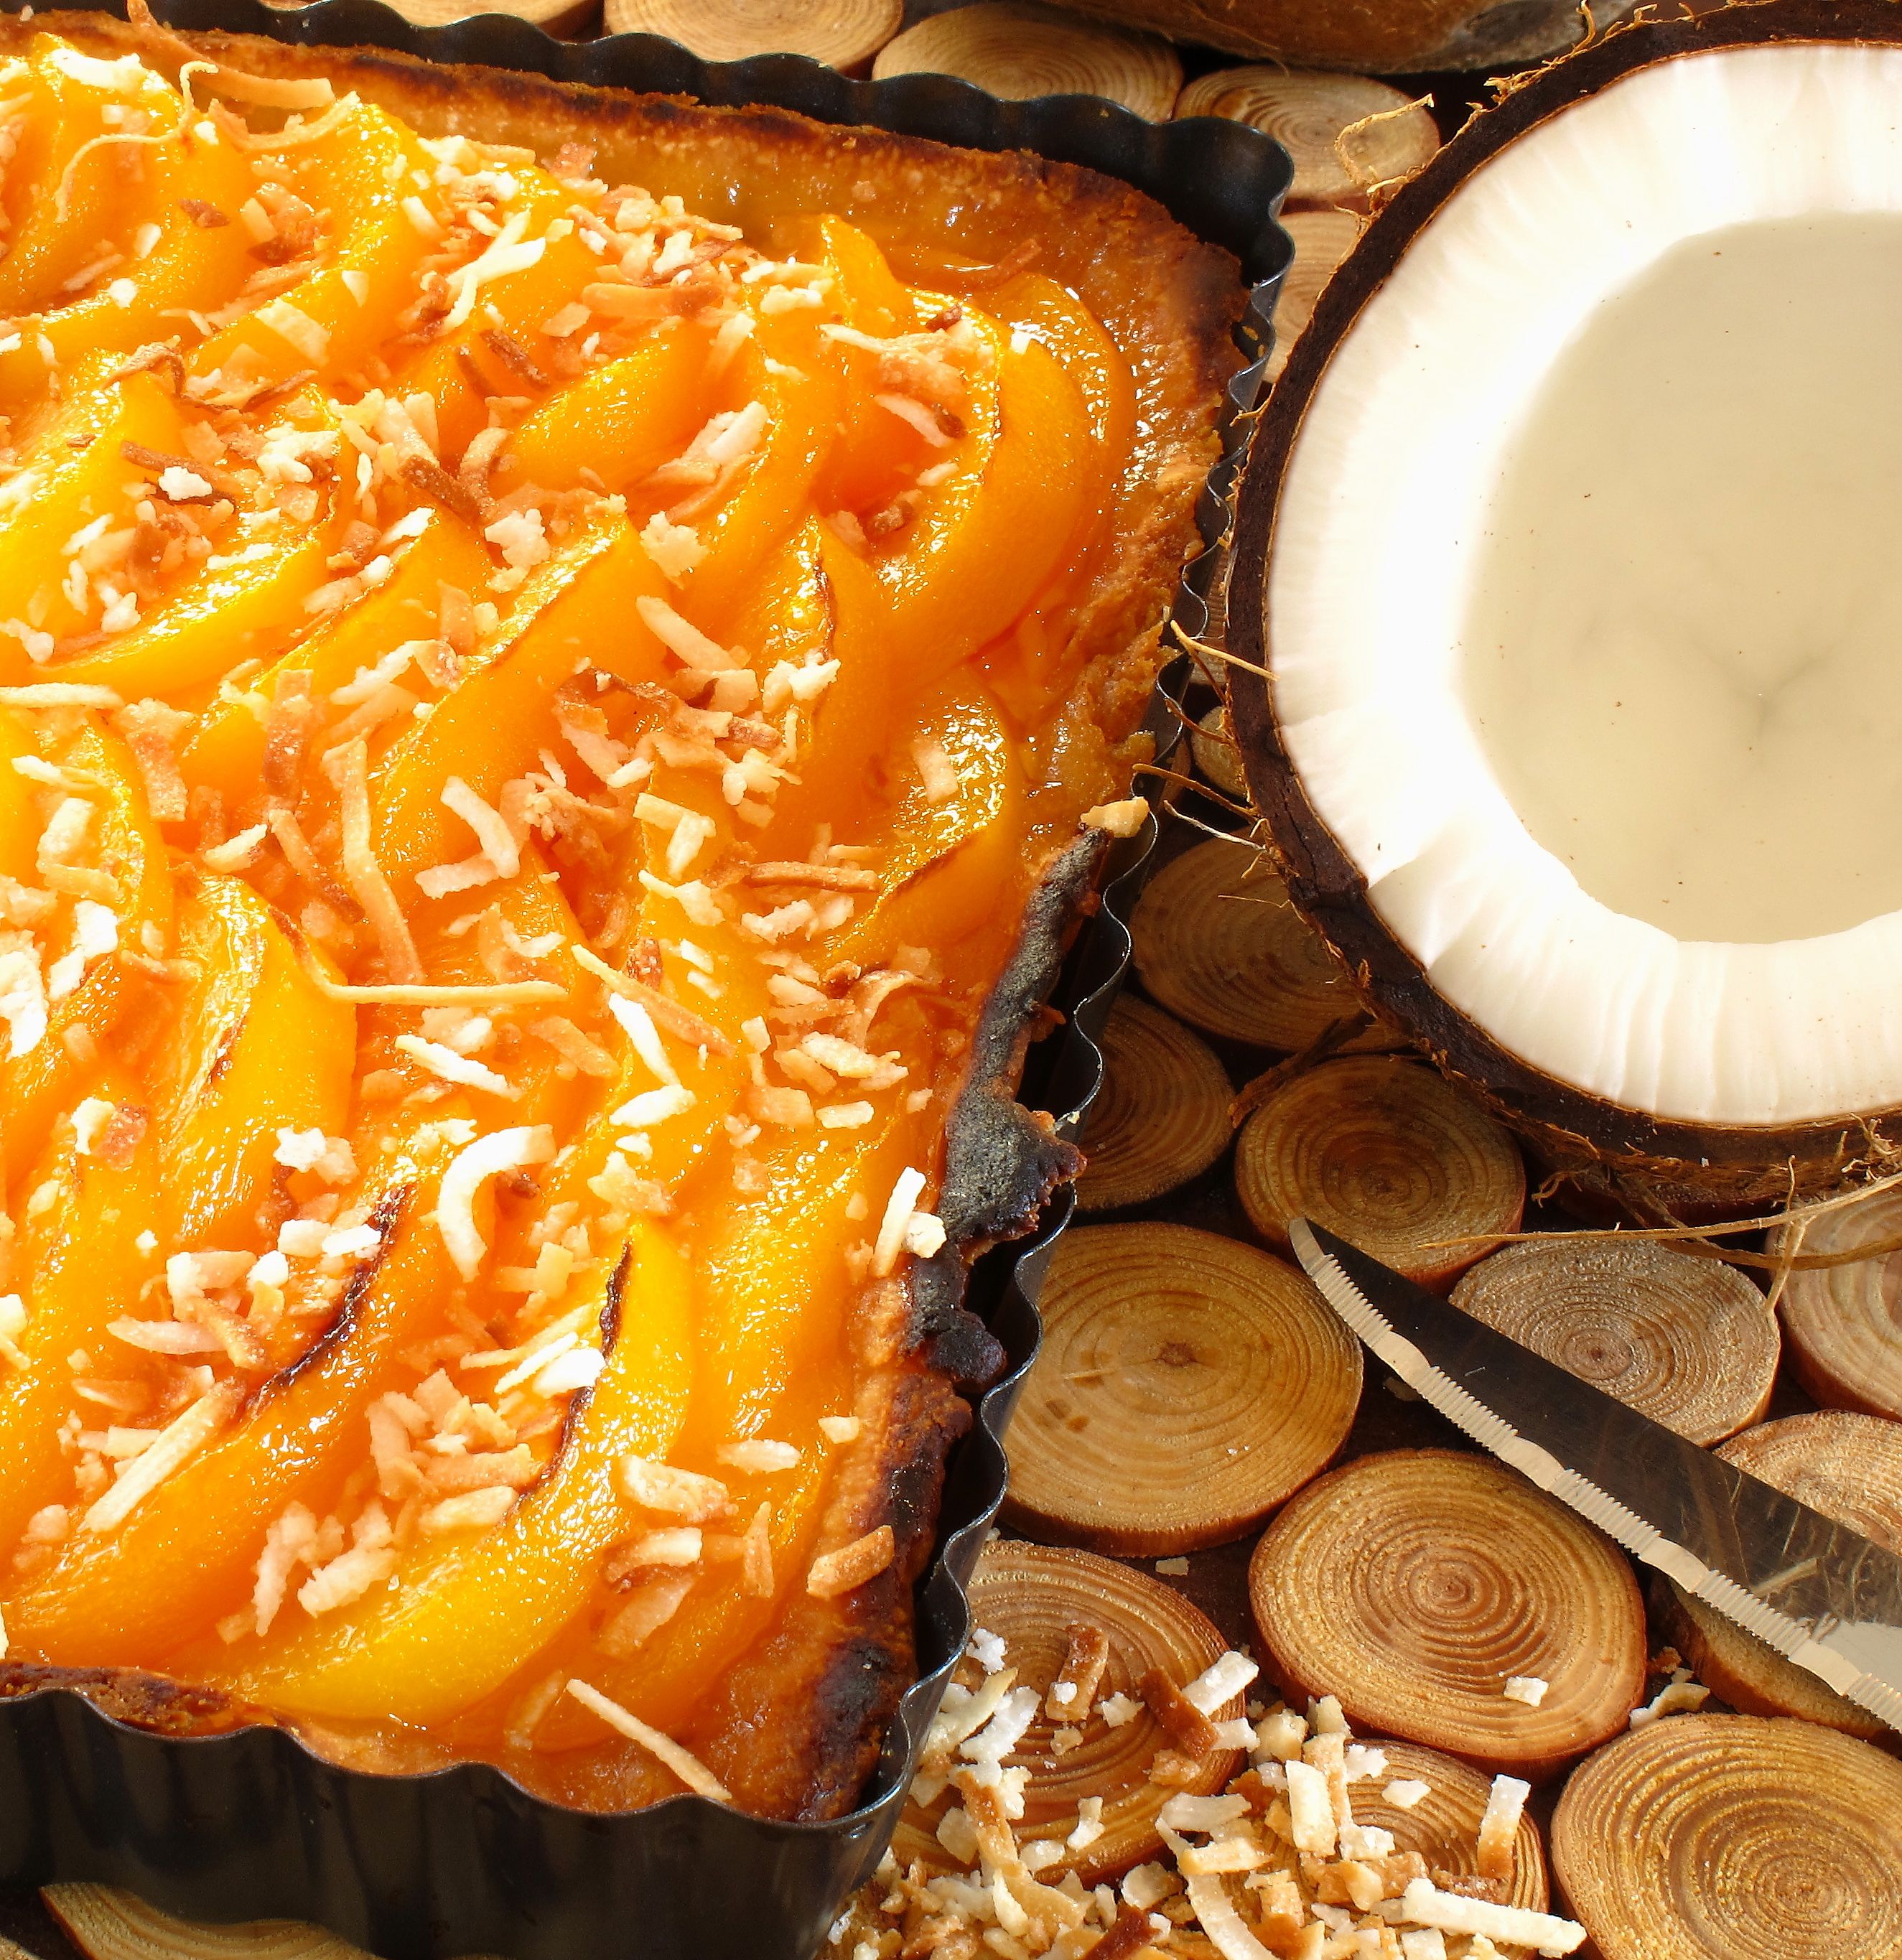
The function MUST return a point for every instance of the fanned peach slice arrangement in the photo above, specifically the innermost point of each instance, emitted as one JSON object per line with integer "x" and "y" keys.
{"x": 529, "y": 720}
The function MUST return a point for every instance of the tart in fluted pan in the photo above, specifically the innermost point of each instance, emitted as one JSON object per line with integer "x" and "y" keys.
{"x": 549, "y": 642}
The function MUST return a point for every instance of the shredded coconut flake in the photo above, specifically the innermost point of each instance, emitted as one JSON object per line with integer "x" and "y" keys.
{"x": 1423, "y": 1903}
{"x": 689, "y": 1768}
{"x": 492, "y": 1156}
{"x": 176, "y": 1444}
{"x": 1117, "y": 819}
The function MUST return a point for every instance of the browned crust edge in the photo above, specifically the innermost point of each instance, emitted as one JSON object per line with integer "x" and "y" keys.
{"x": 1727, "y": 1167}
{"x": 800, "y": 1721}
{"x": 153, "y": 1701}
{"x": 824, "y": 1685}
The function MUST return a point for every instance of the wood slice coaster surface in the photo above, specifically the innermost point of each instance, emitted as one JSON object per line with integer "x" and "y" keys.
{"x": 1416, "y": 1585}
{"x": 1188, "y": 1384}
{"x": 1322, "y": 239}
{"x": 1845, "y": 1465}
{"x": 106, "y": 1923}
{"x": 1218, "y": 944}
{"x": 1162, "y": 1117}
{"x": 571, "y": 19}
{"x": 845, "y": 34}
{"x": 1443, "y": 1825}
{"x": 1031, "y": 1596}
{"x": 1216, "y": 756}
{"x": 1731, "y": 1837}
{"x": 1387, "y": 1154}
{"x": 1017, "y": 49}
{"x": 1844, "y": 1323}
{"x": 1689, "y": 1342}
{"x": 1323, "y": 122}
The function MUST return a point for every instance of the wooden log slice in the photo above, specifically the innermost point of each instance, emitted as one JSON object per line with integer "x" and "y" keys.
{"x": 845, "y": 34}
{"x": 106, "y": 1923}
{"x": 1017, "y": 49}
{"x": 1031, "y": 1596}
{"x": 1414, "y": 1584}
{"x": 1187, "y": 1385}
{"x": 1844, "y": 1323}
{"x": 1218, "y": 945}
{"x": 1846, "y": 1466}
{"x": 1729, "y": 1838}
{"x": 573, "y": 20}
{"x": 1308, "y": 114}
{"x": 1213, "y": 745}
{"x": 1689, "y": 1342}
{"x": 1322, "y": 239}
{"x": 1162, "y": 1117}
{"x": 1386, "y": 1153}
{"x": 1443, "y": 1825}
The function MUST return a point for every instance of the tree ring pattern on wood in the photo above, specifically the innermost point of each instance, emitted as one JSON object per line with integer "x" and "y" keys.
{"x": 1732, "y": 1837}
{"x": 1688, "y": 1341}
{"x": 1413, "y": 1584}
{"x": 1218, "y": 944}
{"x": 1844, "y": 1323}
{"x": 1187, "y": 1385}
{"x": 1385, "y": 1153}
{"x": 1030, "y": 1596}
{"x": 1162, "y": 1116}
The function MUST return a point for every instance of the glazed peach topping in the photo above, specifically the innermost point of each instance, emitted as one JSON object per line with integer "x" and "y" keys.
{"x": 525, "y": 732}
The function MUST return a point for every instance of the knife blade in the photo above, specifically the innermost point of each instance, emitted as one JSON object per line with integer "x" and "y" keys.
{"x": 1820, "y": 1594}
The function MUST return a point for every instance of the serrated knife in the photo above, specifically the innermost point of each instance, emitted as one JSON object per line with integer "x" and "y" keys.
{"x": 1823, "y": 1595}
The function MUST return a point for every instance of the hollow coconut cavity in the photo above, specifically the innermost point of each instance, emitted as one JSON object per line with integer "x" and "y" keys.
{"x": 1575, "y": 527}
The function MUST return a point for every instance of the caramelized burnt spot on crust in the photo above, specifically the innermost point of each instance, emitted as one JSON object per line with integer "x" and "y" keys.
{"x": 505, "y": 1081}
{"x": 144, "y": 1700}
{"x": 794, "y": 1729}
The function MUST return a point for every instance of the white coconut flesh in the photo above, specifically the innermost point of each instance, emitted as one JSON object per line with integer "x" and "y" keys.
{"x": 1585, "y": 602}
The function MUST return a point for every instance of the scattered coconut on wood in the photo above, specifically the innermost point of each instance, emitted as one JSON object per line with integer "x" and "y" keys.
{"x": 1417, "y": 1585}
{"x": 1162, "y": 1117}
{"x": 1846, "y": 1466}
{"x": 1442, "y": 1822}
{"x": 1688, "y": 1341}
{"x": 1730, "y": 1838}
{"x": 845, "y": 34}
{"x": 1017, "y": 49}
{"x": 1346, "y": 133}
{"x": 1218, "y": 945}
{"x": 1067, "y": 1618}
{"x": 1845, "y": 1337}
{"x": 1385, "y": 1153}
{"x": 1188, "y": 1384}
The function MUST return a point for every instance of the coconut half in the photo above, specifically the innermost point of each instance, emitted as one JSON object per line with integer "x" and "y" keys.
{"x": 1571, "y": 549}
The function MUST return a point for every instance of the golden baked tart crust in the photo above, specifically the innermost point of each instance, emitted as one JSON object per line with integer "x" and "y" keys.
{"x": 559, "y": 646}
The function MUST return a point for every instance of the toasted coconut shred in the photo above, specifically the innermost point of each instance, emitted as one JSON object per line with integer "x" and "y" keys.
{"x": 1276, "y": 1865}
{"x": 460, "y": 968}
